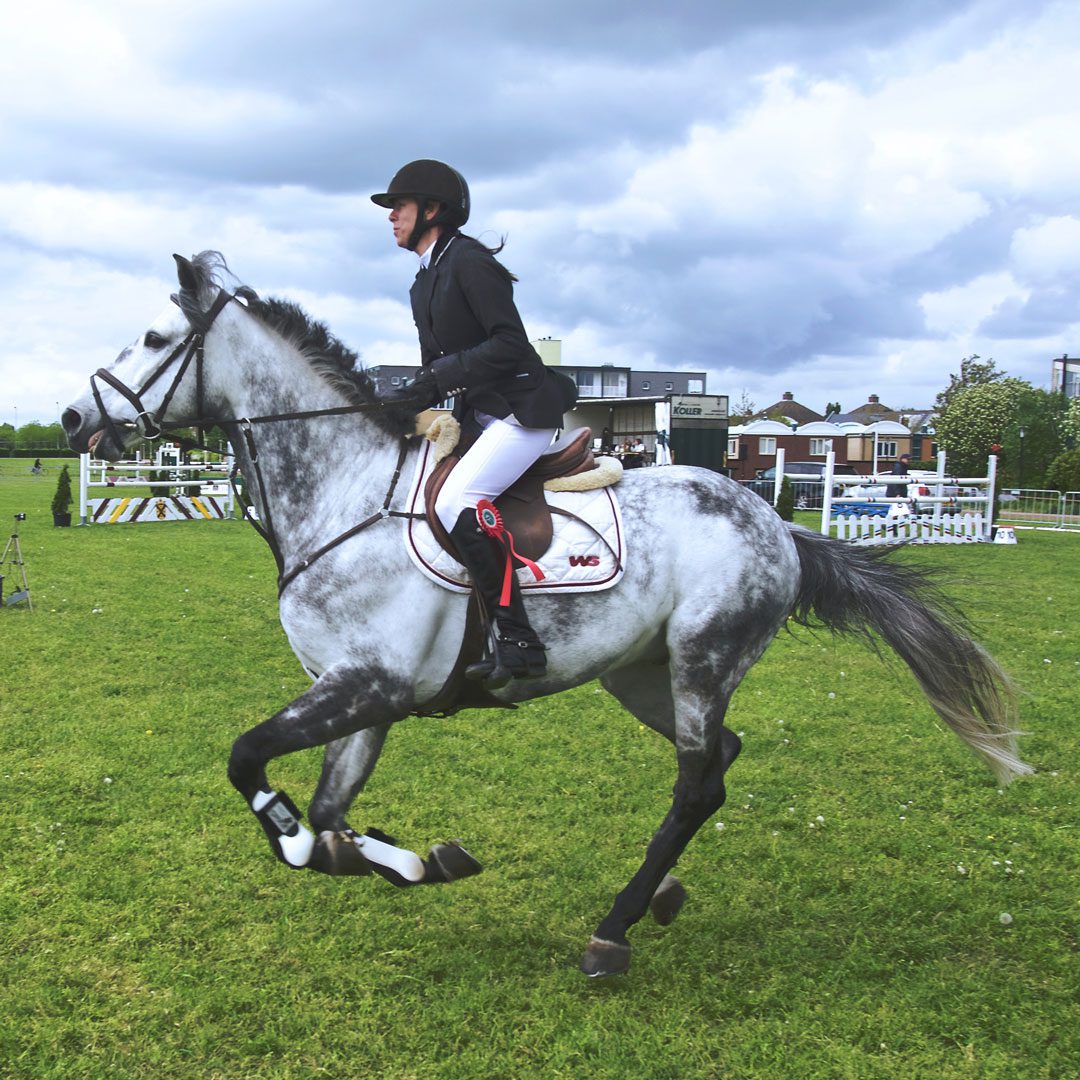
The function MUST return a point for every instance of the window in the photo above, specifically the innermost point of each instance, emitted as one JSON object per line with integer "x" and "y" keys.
{"x": 767, "y": 447}
{"x": 588, "y": 383}
{"x": 646, "y": 385}
{"x": 820, "y": 447}
{"x": 614, "y": 383}
{"x": 395, "y": 381}
{"x": 886, "y": 449}
{"x": 669, "y": 386}
{"x": 695, "y": 386}
{"x": 732, "y": 447}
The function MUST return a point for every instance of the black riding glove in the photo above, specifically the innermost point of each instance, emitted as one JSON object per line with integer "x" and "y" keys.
{"x": 419, "y": 393}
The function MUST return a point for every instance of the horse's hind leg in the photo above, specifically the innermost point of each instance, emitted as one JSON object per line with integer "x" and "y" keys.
{"x": 644, "y": 690}
{"x": 702, "y": 681}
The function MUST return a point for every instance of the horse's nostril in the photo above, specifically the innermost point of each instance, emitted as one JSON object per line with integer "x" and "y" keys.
{"x": 71, "y": 421}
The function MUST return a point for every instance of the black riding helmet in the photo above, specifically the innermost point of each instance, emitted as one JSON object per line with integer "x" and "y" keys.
{"x": 429, "y": 181}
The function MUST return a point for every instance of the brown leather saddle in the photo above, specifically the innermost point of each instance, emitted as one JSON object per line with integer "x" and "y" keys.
{"x": 525, "y": 511}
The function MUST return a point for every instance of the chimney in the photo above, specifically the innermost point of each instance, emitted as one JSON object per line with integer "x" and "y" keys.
{"x": 874, "y": 399}
{"x": 788, "y": 395}
{"x": 550, "y": 350}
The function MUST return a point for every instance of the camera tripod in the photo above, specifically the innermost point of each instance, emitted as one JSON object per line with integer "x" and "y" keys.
{"x": 14, "y": 550}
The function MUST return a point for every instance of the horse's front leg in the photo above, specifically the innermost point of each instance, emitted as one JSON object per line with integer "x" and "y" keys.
{"x": 338, "y": 850}
{"x": 341, "y": 703}
{"x": 351, "y": 711}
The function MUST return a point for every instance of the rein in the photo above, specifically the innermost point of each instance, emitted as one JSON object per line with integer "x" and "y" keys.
{"x": 150, "y": 427}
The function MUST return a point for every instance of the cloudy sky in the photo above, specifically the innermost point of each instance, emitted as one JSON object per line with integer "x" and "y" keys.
{"x": 835, "y": 198}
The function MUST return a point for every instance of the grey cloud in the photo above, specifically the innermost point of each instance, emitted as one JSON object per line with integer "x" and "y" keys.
{"x": 1047, "y": 312}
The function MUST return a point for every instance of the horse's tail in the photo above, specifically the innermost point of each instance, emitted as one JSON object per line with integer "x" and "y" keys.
{"x": 856, "y": 590}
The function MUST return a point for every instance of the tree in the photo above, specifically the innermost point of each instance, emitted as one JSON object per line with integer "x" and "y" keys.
{"x": 744, "y": 408}
{"x": 1064, "y": 471}
{"x": 1070, "y": 426}
{"x": 832, "y": 407}
{"x": 976, "y": 418}
{"x": 973, "y": 372}
{"x": 1041, "y": 416}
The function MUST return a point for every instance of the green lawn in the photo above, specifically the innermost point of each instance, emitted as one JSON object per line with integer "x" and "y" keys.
{"x": 867, "y": 904}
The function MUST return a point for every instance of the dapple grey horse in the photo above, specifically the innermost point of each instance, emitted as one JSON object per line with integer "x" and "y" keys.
{"x": 712, "y": 574}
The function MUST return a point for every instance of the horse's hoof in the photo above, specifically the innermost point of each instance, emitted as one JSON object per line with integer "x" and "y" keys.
{"x": 668, "y": 900}
{"x": 450, "y": 862}
{"x": 337, "y": 855}
{"x": 604, "y": 958}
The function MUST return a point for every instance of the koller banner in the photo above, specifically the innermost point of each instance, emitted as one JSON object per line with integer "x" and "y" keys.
{"x": 699, "y": 407}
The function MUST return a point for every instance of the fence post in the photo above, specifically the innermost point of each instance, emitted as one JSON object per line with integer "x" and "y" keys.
{"x": 939, "y": 491}
{"x": 84, "y": 476}
{"x": 779, "y": 474}
{"x": 991, "y": 495}
{"x": 826, "y": 495}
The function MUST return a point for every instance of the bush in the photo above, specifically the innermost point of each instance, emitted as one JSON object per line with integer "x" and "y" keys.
{"x": 785, "y": 504}
{"x": 61, "y": 502}
{"x": 1064, "y": 471}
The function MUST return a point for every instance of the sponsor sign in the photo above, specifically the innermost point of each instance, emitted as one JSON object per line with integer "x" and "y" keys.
{"x": 699, "y": 407}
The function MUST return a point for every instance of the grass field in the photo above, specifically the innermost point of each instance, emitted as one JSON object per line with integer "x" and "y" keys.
{"x": 867, "y": 904}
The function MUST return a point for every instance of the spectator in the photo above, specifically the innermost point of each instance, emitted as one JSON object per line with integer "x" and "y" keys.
{"x": 898, "y": 491}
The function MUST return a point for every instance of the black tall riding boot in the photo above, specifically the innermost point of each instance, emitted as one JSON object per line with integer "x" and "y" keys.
{"x": 519, "y": 653}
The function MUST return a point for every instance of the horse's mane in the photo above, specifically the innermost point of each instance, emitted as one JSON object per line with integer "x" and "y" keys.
{"x": 330, "y": 357}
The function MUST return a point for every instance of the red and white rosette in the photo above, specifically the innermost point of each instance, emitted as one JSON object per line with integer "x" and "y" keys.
{"x": 490, "y": 520}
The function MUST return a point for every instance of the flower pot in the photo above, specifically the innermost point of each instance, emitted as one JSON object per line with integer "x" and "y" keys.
{"x": 61, "y": 520}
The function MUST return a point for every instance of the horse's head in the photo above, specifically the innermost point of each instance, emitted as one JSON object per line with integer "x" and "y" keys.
{"x": 158, "y": 379}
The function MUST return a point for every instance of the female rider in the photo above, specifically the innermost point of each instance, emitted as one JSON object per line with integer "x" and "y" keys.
{"x": 473, "y": 348}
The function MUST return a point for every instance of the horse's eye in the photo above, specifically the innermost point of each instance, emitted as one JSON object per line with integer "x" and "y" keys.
{"x": 154, "y": 341}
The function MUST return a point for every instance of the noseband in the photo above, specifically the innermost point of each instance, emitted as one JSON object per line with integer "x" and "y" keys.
{"x": 146, "y": 423}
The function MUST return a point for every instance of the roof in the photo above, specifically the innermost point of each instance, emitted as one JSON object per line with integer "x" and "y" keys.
{"x": 887, "y": 427}
{"x": 761, "y": 427}
{"x": 788, "y": 407}
{"x": 819, "y": 427}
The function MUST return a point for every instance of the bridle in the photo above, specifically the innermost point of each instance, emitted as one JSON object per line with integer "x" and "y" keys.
{"x": 146, "y": 423}
{"x": 149, "y": 426}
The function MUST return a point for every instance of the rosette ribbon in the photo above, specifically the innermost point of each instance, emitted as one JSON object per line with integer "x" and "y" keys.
{"x": 491, "y": 522}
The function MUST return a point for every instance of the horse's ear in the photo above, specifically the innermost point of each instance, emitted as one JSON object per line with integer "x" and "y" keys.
{"x": 185, "y": 272}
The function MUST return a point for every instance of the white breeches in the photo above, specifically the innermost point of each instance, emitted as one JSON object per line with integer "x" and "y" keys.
{"x": 501, "y": 454}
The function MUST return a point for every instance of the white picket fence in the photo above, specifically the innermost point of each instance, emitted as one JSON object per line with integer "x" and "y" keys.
{"x": 968, "y": 528}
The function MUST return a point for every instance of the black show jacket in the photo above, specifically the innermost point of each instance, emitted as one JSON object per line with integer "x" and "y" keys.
{"x": 472, "y": 337}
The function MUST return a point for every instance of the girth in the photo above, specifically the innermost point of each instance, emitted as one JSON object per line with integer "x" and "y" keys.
{"x": 525, "y": 511}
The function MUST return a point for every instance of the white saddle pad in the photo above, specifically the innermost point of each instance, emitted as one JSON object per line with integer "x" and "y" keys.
{"x": 581, "y": 558}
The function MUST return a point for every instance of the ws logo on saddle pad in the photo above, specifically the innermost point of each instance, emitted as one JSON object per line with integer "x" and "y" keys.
{"x": 587, "y": 554}
{"x": 583, "y": 560}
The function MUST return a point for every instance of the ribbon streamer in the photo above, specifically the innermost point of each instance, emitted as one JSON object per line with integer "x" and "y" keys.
{"x": 491, "y": 522}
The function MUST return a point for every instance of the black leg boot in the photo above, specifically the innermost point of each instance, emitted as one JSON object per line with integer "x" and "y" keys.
{"x": 519, "y": 653}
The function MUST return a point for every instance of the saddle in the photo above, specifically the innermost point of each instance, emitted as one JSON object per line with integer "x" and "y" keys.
{"x": 525, "y": 511}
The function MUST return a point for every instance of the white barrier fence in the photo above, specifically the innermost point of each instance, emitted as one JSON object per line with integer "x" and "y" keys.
{"x": 213, "y": 500}
{"x": 1035, "y": 508}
